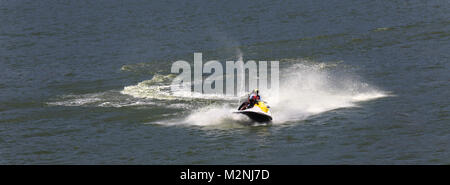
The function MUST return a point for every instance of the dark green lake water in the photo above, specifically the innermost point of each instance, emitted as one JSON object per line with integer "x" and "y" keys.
{"x": 363, "y": 82}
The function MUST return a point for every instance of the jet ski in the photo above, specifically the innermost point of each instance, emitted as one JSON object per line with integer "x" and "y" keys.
{"x": 259, "y": 112}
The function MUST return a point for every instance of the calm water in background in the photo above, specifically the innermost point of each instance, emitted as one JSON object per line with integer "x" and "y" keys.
{"x": 81, "y": 82}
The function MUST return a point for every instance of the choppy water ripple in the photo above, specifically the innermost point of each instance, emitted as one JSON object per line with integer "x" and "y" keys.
{"x": 364, "y": 82}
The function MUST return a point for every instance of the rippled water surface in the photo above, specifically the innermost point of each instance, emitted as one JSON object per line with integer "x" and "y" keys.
{"x": 87, "y": 82}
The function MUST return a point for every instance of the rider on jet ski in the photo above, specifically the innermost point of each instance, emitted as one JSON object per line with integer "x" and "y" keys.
{"x": 251, "y": 100}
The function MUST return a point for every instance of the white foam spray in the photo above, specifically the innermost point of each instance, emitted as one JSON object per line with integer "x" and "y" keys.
{"x": 306, "y": 88}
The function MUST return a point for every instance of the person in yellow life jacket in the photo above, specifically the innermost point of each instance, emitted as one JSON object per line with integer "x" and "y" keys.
{"x": 252, "y": 99}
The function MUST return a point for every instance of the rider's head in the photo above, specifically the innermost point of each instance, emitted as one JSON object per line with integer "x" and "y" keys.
{"x": 256, "y": 91}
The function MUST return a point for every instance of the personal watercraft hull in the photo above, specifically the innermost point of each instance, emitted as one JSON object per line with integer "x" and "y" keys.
{"x": 256, "y": 116}
{"x": 258, "y": 112}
